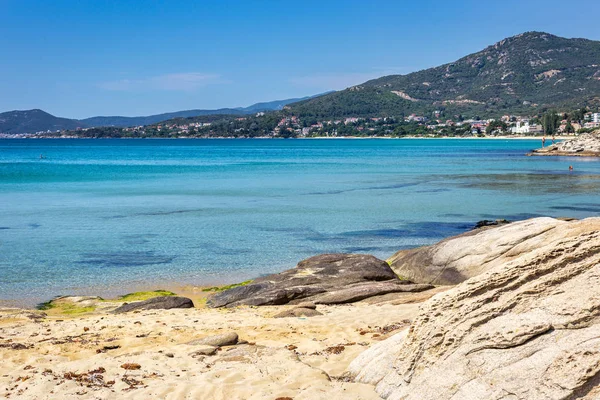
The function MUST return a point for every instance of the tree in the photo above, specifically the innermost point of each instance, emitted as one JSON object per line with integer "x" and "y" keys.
{"x": 496, "y": 125}
{"x": 550, "y": 122}
{"x": 569, "y": 128}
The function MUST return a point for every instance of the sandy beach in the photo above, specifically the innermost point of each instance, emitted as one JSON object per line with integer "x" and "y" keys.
{"x": 52, "y": 356}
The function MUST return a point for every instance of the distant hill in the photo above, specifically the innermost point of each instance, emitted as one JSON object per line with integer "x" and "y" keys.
{"x": 31, "y": 121}
{"x": 153, "y": 119}
{"x": 522, "y": 74}
{"x": 34, "y": 121}
{"x": 124, "y": 122}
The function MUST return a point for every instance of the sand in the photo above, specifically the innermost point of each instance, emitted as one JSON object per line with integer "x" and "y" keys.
{"x": 298, "y": 358}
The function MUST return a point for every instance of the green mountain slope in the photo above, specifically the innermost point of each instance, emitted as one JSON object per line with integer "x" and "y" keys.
{"x": 522, "y": 74}
{"x": 31, "y": 121}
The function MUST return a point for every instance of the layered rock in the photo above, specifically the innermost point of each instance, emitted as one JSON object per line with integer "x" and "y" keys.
{"x": 527, "y": 328}
{"x": 461, "y": 257}
{"x": 587, "y": 144}
{"x": 156, "y": 303}
{"x": 323, "y": 279}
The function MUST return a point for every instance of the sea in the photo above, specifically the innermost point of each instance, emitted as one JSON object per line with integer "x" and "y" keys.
{"x": 106, "y": 217}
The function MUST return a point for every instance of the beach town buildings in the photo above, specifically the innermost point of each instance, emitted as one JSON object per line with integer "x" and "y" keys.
{"x": 525, "y": 127}
{"x": 415, "y": 118}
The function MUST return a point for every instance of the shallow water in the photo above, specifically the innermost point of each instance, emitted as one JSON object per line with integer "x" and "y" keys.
{"x": 100, "y": 216}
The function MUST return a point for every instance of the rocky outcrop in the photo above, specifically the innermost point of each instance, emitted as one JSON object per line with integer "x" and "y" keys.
{"x": 323, "y": 279}
{"x": 527, "y": 328}
{"x": 156, "y": 303}
{"x": 461, "y": 257}
{"x": 585, "y": 145}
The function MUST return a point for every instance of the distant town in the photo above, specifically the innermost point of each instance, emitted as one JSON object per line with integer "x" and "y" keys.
{"x": 280, "y": 125}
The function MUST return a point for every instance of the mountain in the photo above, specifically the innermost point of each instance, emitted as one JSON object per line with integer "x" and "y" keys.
{"x": 31, "y": 121}
{"x": 152, "y": 119}
{"x": 278, "y": 104}
{"x": 34, "y": 121}
{"x": 522, "y": 74}
{"x": 123, "y": 122}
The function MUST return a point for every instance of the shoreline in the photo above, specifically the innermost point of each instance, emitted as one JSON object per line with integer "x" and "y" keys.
{"x": 193, "y": 287}
{"x": 301, "y": 138}
{"x": 180, "y": 287}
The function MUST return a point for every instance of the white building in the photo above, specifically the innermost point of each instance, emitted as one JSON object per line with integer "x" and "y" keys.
{"x": 596, "y": 117}
{"x": 523, "y": 127}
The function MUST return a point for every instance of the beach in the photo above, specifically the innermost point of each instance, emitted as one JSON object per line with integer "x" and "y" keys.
{"x": 504, "y": 306}
{"x": 298, "y": 358}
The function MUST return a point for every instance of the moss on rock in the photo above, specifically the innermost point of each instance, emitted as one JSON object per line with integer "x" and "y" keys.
{"x": 141, "y": 296}
{"x": 226, "y": 287}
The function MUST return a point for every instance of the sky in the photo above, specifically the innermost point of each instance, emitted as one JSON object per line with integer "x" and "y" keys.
{"x": 79, "y": 59}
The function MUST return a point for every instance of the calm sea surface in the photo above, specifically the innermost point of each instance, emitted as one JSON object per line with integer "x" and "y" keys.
{"x": 105, "y": 216}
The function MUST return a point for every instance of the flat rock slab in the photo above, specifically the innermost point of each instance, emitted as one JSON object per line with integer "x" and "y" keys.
{"x": 311, "y": 277}
{"x": 222, "y": 339}
{"x": 366, "y": 290}
{"x": 298, "y": 312}
{"x": 204, "y": 350}
{"x": 458, "y": 258}
{"x": 307, "y": 304}
{"x": 156, "y": 303}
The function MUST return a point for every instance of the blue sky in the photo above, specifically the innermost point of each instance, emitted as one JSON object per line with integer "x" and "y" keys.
{"x": 83, "y": 58}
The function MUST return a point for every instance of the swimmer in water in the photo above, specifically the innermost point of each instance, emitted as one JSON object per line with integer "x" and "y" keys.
{"x": 570, "y": 168}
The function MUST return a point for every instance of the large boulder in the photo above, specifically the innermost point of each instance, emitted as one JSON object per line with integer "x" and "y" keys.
{"x": 156, "y": 303}
{"x": 359, "y": 275}
{"x": 461, "y": 257}
{"x": 528, "y": 328}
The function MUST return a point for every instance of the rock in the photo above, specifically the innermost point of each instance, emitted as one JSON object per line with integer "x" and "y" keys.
{"x": 485, "y": 223}
{"x": 222, "y": 339}
{"x": 365, "y": 290}
{"x": 585, "y": 145}
{"x": 298, "y": 312}
{"x": 36, "y": 315}
{"x": 461, "y": 257}
{"x": 235, "y": 294}
{"x": 204, "y": 351}
{"x": 311, "y": 277}
{"x": 307, "y": 304}
{"x": 527, "y": 328}
{"x": 374, "y": 364}
{"x": 156, "y": 303}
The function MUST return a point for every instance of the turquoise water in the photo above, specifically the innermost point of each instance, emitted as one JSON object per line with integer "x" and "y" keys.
{"x": 106, "y": 216}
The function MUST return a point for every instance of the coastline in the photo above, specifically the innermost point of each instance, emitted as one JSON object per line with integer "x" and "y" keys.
{"x": 300, "y": 138}
{"x": 180, "y": 286}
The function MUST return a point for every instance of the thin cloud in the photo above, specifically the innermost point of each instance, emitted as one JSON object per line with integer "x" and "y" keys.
{"x": 342, "y": 80}
{"x": 185, "y": 81}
